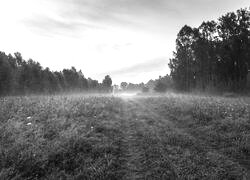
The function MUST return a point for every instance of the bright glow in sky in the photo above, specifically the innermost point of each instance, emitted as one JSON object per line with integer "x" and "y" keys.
{"x": 131, "y": 40}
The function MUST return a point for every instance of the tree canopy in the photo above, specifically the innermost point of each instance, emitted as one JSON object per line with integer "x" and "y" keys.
{"x": 18, "y": 76}
{"x": 214, "y": 55}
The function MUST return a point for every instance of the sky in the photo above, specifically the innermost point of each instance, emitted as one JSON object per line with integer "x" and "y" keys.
{"x": 130, "y": 40}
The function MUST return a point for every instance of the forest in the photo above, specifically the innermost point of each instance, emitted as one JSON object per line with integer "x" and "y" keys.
{"x": 18, "y": 77}
{"x": 214, "y": 56}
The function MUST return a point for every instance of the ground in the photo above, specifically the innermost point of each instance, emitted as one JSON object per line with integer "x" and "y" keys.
{"x": 124, "y": 137}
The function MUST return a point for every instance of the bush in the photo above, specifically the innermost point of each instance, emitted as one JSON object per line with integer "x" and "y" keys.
{"x": 145, "y": 89}
{"x": 160, "y": 87}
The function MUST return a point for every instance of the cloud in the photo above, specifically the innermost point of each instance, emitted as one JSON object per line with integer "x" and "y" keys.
{"x": 123, "y": 12}
{"x": 52, "y": 26}
{"x": 141, "y": 72}
{"x": 152, "y": 14}
{"x": 131, "y": 7}
{"x": 146, "y": 67}
{"x": 77, "y": 15}
{"x": 158, "y": 16}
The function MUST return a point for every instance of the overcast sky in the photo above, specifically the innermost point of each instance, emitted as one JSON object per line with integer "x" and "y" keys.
{"x": 131, "y": 40}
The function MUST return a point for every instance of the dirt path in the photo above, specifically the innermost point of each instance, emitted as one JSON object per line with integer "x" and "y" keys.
{"x": 133, "y": 154}
{"x": 144, "y": 150}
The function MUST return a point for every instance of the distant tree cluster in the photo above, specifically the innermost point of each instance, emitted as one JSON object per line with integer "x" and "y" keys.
{"x": 106, "y": 84}
{"x": 214, "y": 55}
{"x": 131, "y": 86}
{"x": 18, "y": 76}
{"x": 162, "y": 84}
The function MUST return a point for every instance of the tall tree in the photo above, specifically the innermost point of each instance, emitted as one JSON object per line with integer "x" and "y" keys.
{"x": 107, "y": 83}
{"x": 215, "y": 54}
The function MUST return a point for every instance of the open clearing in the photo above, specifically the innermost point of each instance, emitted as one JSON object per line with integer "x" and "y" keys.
{"x": 105, "y": 137}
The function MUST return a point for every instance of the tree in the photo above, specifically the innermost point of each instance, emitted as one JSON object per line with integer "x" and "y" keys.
{"x": 234, "y": 50}
{"x": 160, "y": 87}
{"x": 6, "y": 75}
{"x": 214, "y": 54}
{"x": 107, "y": 84}
{"x": 71, "y": 78}
{"x": 18, "y": 76}
{"x": 145, "y": 89}
{"x": 183, "y": 64}
{"x": 93, "y": 84}
{"x": 82, "y": 81}
{"x": 124, "y": 85}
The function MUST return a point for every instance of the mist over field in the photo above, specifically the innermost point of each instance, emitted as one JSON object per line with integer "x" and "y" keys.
{"x": 122, "y": 89}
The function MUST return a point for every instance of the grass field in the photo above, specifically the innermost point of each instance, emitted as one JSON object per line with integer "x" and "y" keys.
{"x": 105, "y": 137}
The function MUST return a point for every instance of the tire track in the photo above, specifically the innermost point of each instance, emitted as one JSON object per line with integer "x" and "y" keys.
{"x": 145, "y": 156}
{"x": 154, "y": 124}
{"x": 133, "y": 153}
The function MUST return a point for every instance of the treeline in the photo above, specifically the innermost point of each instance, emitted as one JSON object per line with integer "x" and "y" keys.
{"x": 131, "y": 86}
{"x": 216, "y": 55}
{"x": 162, "y": 84}
{"x": 18, "y": 76}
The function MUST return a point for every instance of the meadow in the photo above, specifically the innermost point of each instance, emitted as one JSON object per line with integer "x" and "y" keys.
{"x": 172, "y": 136}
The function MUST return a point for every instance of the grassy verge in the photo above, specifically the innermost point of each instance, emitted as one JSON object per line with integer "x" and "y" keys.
{"x": 60, "y": 138}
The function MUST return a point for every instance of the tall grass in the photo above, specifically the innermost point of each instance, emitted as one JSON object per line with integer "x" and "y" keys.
{"x": 104, "y": 137}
